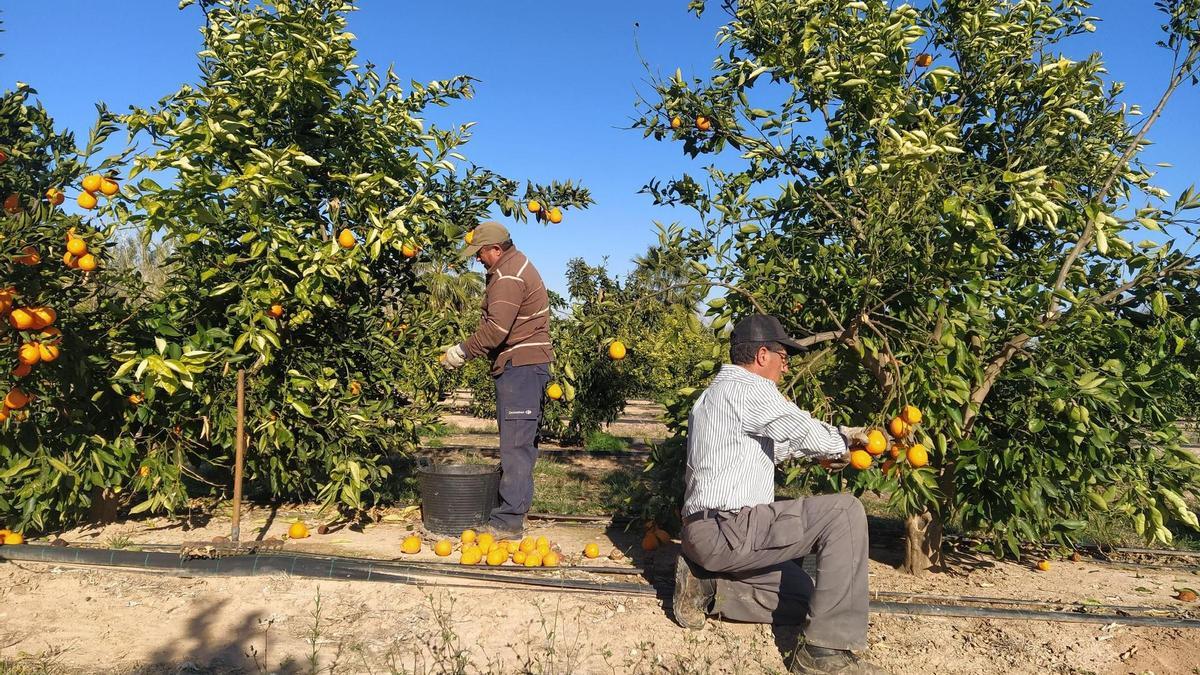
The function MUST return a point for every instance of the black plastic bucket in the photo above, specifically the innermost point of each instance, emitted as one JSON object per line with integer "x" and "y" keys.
{"x": 456, "y": 497}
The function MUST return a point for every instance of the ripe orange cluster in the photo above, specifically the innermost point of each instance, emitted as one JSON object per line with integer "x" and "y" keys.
{"x": 93, "y": 184}
{"x": 77, "y": 255}
{"x": 900, "y": 429}
{"x": 703, "y": 123}
{"x": 543, "y": 214}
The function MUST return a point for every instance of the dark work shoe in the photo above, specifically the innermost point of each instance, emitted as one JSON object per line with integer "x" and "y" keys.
{"x": 693, "y": 595}
{"x": 813, "y": 659}
{"x": 503, "y": 532}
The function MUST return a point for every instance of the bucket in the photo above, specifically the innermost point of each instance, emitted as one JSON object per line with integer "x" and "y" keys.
{"x": 456, "y": 497}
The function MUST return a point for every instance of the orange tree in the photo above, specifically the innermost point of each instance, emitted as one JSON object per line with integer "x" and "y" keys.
{"x": 299, "y": 191}
{"x": 64, "y": 444}
{"x": 942, "y": 204}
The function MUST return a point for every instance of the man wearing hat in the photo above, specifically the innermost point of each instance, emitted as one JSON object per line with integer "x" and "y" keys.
{"x": 514, "y": 334}
{"x": 741, "y": 548}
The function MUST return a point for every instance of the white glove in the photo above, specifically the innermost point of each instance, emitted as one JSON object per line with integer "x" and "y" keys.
{"x": 454, "y": 358}
{"x": 854, "y": 436}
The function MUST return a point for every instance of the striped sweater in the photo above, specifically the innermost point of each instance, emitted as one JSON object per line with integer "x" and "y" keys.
{"x": 515, "y": 325}
{"x": 739, "y": 429}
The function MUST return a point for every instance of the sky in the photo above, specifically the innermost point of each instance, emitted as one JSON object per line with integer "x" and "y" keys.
{"x": 558, "y": 84}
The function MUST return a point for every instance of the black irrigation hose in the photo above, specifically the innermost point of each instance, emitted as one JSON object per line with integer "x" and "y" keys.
{"x": 977, "y": 600}
{"x": 314, "y": 567}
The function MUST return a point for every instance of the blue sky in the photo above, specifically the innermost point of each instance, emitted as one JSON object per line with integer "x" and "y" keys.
{"x": 557, "y": 90}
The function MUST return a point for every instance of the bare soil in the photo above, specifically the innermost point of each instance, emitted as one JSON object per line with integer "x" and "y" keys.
{"x": 68, "y": 619}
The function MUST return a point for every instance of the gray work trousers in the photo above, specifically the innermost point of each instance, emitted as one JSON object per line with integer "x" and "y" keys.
{"x": 518, "y": 413}
{"x": 754, "y": 555}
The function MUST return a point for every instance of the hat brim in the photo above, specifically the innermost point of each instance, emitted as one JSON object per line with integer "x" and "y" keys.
{"x": 470, "y": 250}
{"x": 792, "y": 346}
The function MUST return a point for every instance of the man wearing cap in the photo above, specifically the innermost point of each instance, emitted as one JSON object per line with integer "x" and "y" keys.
{"x": 741, "y": 548}
{"x": 514, "y": 333}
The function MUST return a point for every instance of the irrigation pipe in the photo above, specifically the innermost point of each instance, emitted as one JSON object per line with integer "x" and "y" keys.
{"x": 313, "y": 567}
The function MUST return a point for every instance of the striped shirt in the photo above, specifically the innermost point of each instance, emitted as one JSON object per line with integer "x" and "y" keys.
{"x": 740, "y": 427}
{"x": 515, "y": 324}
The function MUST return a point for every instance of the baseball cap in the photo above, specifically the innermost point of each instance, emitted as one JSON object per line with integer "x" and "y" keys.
{"x": 485, "y": 234}
{"x": 763, "y": 328}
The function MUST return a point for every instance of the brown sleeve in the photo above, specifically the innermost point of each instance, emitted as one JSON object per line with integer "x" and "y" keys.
{"x": 504, "y": 298}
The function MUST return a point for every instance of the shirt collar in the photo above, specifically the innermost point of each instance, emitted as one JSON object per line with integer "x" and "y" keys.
{"x": 730, "y": 371}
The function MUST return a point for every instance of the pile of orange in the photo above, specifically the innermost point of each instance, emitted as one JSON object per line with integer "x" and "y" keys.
{"x": 902, "y": 447}
{"x": 10, "y": 538}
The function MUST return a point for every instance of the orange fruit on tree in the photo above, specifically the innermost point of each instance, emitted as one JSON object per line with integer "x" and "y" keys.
{"x": 136, "y": 399}
{"x": 48, "y": 352}
{"x": 497, "y": 556}
{"x": 409, "y": 250}
{"x": 298, "y": 530}
{"x": 443, "y": 548}
{"x": 555, "y": 215}
{"x": 86, "y": 200}
{"x": 551, "y": 559}
{"x": 77, "y": 247}
{"x": 29, "y": 256}
{"x": 554, "y": 391}
{"x": 346, "y": 239}
{"x": 592, "y": 550}
{"x": 14, "y": 539}
{"x": 469, "y": 237}
{"x": 355, "y": 388}
{"x": 616, "y": 350}
{"x": 468, "y": 536}
{"x": 3, "y": 414}
{"x": 703, "y": 123}
{"x": 676, "y": 122}
{"x": 918, "y": 456}
{"x": 16, "y": 398}
{"x": 43, "y": 316}
{"x": 911, "y": 415}
{"x": 888, "y": 464}
{"x": 144, "y": 471}
{"x": 87, "y": 263}
{"x": 70, "y": 260}
{"x": 876, "y": 442}
{"x": 894, "y": 453}
{"x": 29, "y": 354}
{"x": 276, "y": 310}
{"x": 21, "y": 319}
{"x": 662, "y": 535}
{"x": 92, "y": 183}
{"x": 649, "y": 542}
{"x": 3, "y": 156}
{"x": 534, "y": 206}
{"x": 924, "y": 59}
{"x": 108, "y": 187}
{"x": 12, "y": 203}
{"x": 860, "y": 459}
{"x": 55, "y": 196}
{"x": 411, "y": 544}
{"x": 898, "y": 427}
{"x": 22, "y": 370}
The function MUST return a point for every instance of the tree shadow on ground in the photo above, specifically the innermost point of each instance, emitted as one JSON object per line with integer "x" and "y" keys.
{"x": 205, "y": 647}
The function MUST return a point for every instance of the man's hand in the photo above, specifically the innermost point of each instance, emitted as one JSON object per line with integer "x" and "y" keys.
{"x": 854, "y": 436}
{"x": 454, "y": 358}
{"x": 836, "y": 463}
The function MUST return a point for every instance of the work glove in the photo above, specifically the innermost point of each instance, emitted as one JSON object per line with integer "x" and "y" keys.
{"x": 854, "y": 436}
{"x": 836, "y": 463}
{"x": 454, "y": 358}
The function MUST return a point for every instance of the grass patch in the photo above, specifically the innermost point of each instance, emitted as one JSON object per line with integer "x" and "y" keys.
{"x": 599, "y": 440}
{"x": 566, "y": 489}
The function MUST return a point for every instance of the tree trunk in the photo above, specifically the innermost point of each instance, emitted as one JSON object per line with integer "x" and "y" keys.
{"x": 923, "y": 543}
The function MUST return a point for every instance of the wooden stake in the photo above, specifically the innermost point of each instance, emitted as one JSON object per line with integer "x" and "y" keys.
{"x": 239, "y": 457}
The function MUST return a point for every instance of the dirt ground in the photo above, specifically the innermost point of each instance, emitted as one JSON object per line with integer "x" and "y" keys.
{"x": 71, "y": 619}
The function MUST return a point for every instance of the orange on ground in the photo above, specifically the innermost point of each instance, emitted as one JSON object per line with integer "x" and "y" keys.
{"x": 860, "y": 459}
{"x": 86, "y": 200}
{"x": 411, "y": 544}
{"x": 534, "y": 206}
{"x": 13, "y": 539}
{"x": 346, "y": 239}
{"x": 92, "y": 183}
{"x": 298, "y": 530}
{"x": 470, "y": 556}
{"x": 512, "y": 546}
{"x": 911, "y": 414}
{"x": 616, "y": 350}
{"x": 468, "y": 536}
{"x": 497, "y": 556}
{"x": 16, "y": 398}
{"x": 551, "y": 559}
{"x": 533, "y": 559}
{"x": 542, "y": 544}
{"x": 918, "y": 456}
{"x": 555, "y": 215}
{"x": 443, "y": 548}
{"x": 1044, "y": 566}
{"x": 554, "y": 391}
{"x": 77, "y": 246}
{"x": 898, "y": 427}
{"x": 649, "y": 542}
{"x": 485, "y": 541}
{"x": 527, "y": 544}
{"x": 876, "y": 442}
{"x": 108, "y": 187}
{"x": 87, "y": 263}
{"x": 519, "y": 557}
{"x": 592, "y": 550}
